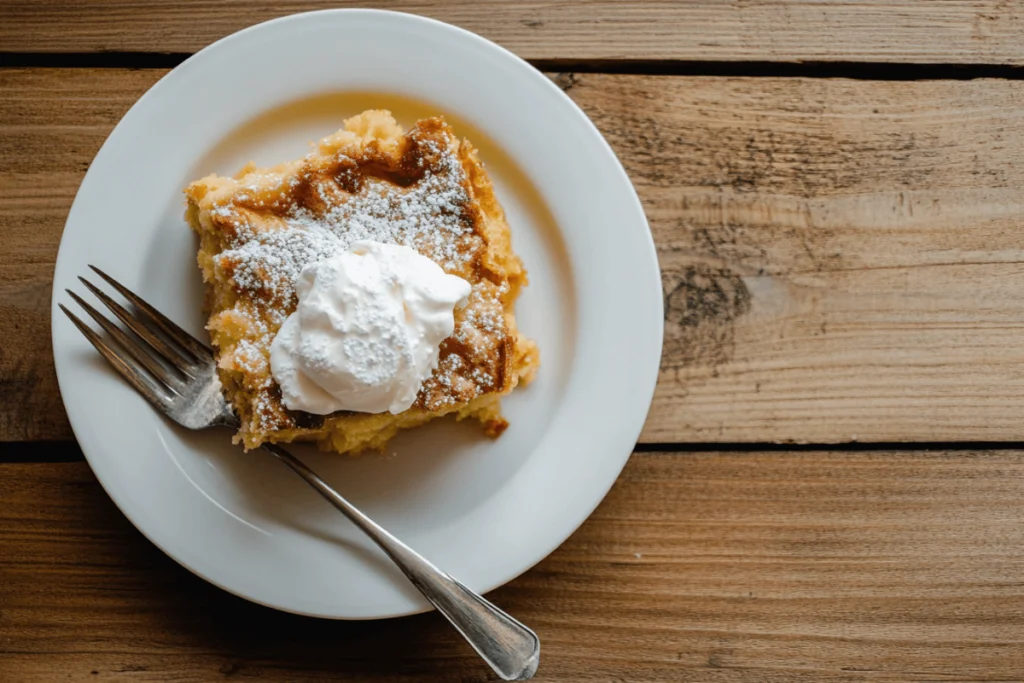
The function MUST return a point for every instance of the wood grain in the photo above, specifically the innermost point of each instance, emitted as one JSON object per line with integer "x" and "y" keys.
{"x": 51, "y": 126}
{"x": 712, "y": 567}
{"x": 957, "y": 31}
{"x": 842, "y": 259}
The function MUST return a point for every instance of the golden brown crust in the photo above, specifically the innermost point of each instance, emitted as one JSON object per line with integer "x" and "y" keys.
{"x": 426, "y": 189}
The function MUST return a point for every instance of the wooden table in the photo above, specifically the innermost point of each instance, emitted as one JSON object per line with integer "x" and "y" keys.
{"x": 830, "y": 485}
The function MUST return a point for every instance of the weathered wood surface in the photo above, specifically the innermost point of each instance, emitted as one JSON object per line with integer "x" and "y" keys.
{"x": 703, "y": 567}
{"x": 842, "y": 259}
{"x": 52, "y": 123}
{"x": 952, "y": 31}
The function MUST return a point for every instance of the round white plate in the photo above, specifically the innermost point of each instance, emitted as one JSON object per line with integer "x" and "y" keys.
{"x": 483, "y": 510}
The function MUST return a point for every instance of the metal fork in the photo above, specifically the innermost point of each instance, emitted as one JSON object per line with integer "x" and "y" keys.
{"x": 177, "y": 374}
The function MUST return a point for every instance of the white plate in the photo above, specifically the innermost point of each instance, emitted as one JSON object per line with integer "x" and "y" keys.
{"x": 483, "y": 510}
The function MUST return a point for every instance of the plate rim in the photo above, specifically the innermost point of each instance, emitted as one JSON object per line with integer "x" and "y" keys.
{"x": 652, "y": 273}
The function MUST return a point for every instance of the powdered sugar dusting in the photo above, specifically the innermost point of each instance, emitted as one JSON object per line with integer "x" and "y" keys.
{"x": 427, "y": 216}
{"x": 272, "y": 261}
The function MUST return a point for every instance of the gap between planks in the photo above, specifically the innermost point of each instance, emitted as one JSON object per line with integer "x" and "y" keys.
{"x": 42, "y": 452}
{"x": 868, "y": 71}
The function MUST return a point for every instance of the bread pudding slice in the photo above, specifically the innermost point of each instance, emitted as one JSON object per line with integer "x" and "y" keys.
{"x": 425, "y": 189}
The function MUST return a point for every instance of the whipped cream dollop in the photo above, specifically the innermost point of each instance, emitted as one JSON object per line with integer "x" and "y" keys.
{"x": 367, "y": 330}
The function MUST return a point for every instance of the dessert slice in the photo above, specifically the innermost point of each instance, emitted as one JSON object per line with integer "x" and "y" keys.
{"x": 370, "y": 182}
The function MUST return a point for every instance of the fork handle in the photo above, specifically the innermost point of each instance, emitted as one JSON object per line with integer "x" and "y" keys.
{"x": 509, "y": 647}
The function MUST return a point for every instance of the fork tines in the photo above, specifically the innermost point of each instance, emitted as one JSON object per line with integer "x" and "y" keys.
{"x": 158, "y": 358}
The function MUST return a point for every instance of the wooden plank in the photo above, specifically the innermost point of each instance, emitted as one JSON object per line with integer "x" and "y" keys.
{"x": 712, "y": 567}
{"x": 842, "y": 259}
{"x": 960, "y": 31}
{"x": 52, "y": 124}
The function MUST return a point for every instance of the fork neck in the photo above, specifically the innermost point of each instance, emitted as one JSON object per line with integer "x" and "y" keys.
{"x": 228, "y": 419}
